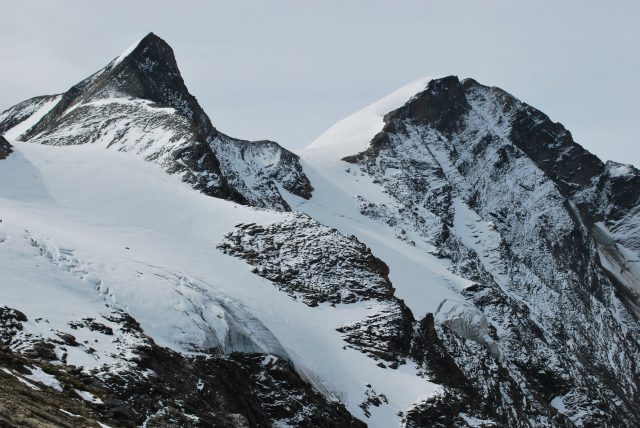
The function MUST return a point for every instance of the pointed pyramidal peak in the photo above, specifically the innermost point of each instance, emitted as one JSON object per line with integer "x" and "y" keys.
{"x": 149, "y": 71}
{"x": 139, "y": 103}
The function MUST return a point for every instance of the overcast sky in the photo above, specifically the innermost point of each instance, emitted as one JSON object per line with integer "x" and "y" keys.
{"x": 287, "y": 70}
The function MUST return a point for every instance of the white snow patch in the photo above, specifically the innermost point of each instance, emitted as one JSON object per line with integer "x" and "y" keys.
{"x": 39, "y": 375}
{"x": 558, "y": 404}
{"x": 69, "y": 413}
{"x": 620, "y": 170}
{"x": 87, "y": 396}
{"x": 472, "y": 421}
{"x": 122, "y": 101}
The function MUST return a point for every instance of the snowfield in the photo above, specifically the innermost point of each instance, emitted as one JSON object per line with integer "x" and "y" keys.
{"x": 87, "y": 230}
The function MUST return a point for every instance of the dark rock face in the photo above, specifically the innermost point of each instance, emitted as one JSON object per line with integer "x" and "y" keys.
{"x": 442, "y": 411}
{"x": 441, "y": 105}
{"x": 284, "y": 395}
{"x": 620, "y": 187}
{"x": 139, "y": 103}
{"x": 253, "y": 390}
{"x": 10, "y": 322}
{"x": 428, "y": 350}
{"x": 148, "y": 72}
{"x": 385, "y": 335}
{"x": 553, "y": 150}
{"x": 511, "y": 200}
{"x": 5, "y": 148}
{"x": 459, "y": 399}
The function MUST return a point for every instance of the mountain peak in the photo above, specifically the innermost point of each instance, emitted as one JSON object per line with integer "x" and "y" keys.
{"x": 441, "y": 104}
{"x": 150, "y": 47}
{"x": 146, "y": 70}
{"x": 151, "y": 36}
{"x": 149, "y": 70}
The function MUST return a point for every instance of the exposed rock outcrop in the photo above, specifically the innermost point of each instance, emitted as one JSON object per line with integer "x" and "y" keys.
{"x": 5, "y": 148}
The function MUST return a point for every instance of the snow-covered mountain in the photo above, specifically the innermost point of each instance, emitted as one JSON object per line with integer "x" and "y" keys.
{"x": 505, "y": 198}
{"x": 452, "y": 258}
{"x": 139, "y": 103}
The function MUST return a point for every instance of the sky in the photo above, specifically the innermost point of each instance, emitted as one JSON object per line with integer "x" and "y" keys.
{"x": 286, "y": 70}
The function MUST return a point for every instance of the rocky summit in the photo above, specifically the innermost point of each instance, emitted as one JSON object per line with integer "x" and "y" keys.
{"x": 448, "y": 256}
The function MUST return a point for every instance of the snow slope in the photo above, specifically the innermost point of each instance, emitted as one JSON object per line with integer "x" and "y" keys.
{"x": 353, "y": 133}
{"x": 421, "y": 279}
{"x": 96, "y": 230}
